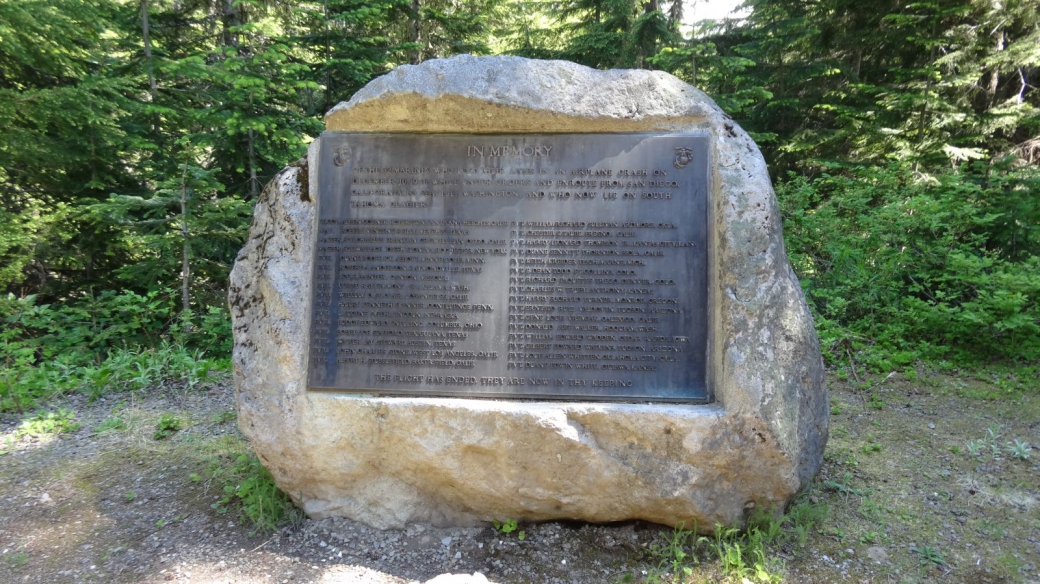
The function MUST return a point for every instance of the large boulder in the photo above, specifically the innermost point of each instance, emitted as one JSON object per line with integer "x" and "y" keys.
{"x": 390, "y": 461}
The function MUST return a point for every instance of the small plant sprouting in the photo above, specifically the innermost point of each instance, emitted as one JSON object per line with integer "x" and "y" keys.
{"x": 224, "y": 417}
{"x": 17, "y": 560}
{"x": 992, "y": 433}
{"x": 168, "y": 426}
{"x": 930, "y": 555}
{"x": 676, "y": 554}
{"x": 975, "y": 447}
{"x": 130, "y": 496}
{"x": 844, "y": 488}
{"x": 48, "y": 423}
{"x": 1019, "y": 449}
{"x": 743, "y": 555}
{"x": 509, "y": 526}
{"x": 876, "y": 402}
{"x": 994, "y": 449}
{"x": 111, "y": 424}
{"x": 250, "y": 486}
{"x": 871, "y": 446}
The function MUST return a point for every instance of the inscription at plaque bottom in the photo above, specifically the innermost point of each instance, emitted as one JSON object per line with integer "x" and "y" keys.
{"x": 561, "y": 266}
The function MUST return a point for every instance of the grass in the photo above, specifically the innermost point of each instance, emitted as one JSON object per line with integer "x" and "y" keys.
{"x": 16, "y": 560}
{"x": 48, "y": 424}
{"x": 167, "y": 426}
{"x": 24, "y": 383}
{"x": 931, "y": 475}
{"x": 939, "y": 481}
{"x": 753, "y": 554}
{"x": 250, "y": 488}
{"x": 111, "y": 424}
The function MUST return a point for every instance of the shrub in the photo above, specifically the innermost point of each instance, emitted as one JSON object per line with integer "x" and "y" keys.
{"x": 899, "y": 267}
{"x": 96, "y": 344}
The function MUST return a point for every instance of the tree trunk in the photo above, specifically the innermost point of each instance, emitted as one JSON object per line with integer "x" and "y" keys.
{"x": 693, "y": 68}
{"x": 146, "y": 34}
{"x": 153, "y": 88}
{"x": 923, "y": 113}
{"x": 415, "y": 33}
{"x": 647, "y": 46}
{"x": 230, "y": 19}
{"x": 994, "y": 73}
{"x": 254, "y": 182}
{"x": 185, "y": 254}
{"x": 675, "y": 14}
{"x": 328, "y": 59}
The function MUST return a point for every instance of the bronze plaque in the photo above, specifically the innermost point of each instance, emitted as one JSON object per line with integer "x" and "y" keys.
{"x": 547, "y": 266}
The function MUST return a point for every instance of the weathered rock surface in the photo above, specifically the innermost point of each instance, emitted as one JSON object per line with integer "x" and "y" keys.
{"x": 393, "y": 461}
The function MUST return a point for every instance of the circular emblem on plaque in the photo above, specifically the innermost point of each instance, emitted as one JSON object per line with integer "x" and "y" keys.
{"x": 683, "y": 156}
{"x": 343, "y": 154}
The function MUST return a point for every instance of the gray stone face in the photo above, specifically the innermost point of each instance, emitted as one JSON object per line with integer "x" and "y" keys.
{"x": 393, "y": 461}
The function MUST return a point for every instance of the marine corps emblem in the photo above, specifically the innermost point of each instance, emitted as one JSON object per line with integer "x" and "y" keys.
{"x": 343, "y": 154}
{"x": 683, "y": 156}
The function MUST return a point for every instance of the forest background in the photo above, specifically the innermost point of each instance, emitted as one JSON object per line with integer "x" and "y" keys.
{"x": 136, "y": 135}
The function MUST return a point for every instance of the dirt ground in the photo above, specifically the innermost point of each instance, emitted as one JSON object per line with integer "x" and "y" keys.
{"x": 929, "y": 479}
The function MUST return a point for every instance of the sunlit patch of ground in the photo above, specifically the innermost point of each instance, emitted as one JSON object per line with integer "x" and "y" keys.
{"x": 925, "y": 480}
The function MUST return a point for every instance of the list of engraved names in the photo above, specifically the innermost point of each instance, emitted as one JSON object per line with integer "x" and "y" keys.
{"x": 529, "y": 266}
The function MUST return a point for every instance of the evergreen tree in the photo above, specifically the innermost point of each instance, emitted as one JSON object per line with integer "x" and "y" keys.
{"x": 345, "y": 44}
{"x": 66, "y": 140}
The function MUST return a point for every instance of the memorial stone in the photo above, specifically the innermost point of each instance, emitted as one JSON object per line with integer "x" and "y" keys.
{"x": 500, "y": 287}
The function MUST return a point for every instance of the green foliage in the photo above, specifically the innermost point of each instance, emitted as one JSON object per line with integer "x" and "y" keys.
{"x": 132, "y": 153}
{"x": 225, "y": 417}
{"x": 104, "y": 343}
{"x": 744, "y": 555}
{"x": 16, "y": 560}
{"x": 167, "y": 426}
{"x": 208, "y": 228}
{"x": 62, "y": 110}
{"x": 844, "y": 488}
{"x": 508, "y": 526}
{"x": 676, "y": 555}
{"x": 900, "y": 268}
{"x": 24, "y": 229}
{"x": 250, "y": 487}
{"x": 613, "y": 33}
{"x": 1020, "y": 449}
{"x": 929, "y": 555}
{"x": 345, "y": 44}
{"x": 48, "y": 423}
{"x": 111, "y": 424}
{"x": 88, "y": 326}
{"x": 990, "y": 445}
{"x": 801, "y": 518}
